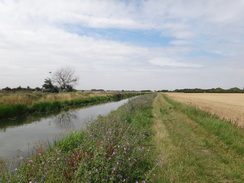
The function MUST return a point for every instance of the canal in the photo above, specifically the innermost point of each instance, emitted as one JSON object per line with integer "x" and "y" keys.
{"x": 21, "y": 138}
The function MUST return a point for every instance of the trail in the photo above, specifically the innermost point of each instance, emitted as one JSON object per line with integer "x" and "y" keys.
{"x": 191, "y": 153}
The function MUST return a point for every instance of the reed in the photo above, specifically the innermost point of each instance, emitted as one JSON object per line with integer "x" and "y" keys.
{"x": 14, "y": 110}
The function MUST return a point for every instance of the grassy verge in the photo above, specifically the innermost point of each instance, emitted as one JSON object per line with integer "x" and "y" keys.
{"x": 17, "y": 110}
{"x": 196, "y": 146}
{"x": 115, "y": 148}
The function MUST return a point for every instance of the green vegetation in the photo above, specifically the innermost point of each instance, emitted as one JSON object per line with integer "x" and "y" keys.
{"x": 197, "y": 147}
{"x": 17, "y": 110}
{"x": 116, "y": 148}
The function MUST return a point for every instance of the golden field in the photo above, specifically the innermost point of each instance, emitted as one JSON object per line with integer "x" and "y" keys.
{"x": 226, "y": 106}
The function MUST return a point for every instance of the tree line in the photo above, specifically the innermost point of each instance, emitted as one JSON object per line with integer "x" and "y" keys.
{"x": 212, "y": 90}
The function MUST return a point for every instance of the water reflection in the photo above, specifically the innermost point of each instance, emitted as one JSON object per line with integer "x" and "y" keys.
{"x": 65, "y": 121}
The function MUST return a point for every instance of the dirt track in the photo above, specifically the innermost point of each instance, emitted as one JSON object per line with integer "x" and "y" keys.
{"x": 227, "y": 106}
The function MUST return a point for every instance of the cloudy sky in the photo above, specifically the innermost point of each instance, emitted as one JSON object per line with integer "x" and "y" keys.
{"x": 123, "y": 44}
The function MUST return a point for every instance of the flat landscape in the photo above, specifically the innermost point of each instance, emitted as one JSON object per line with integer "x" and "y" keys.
{"x": 226, "y": 106}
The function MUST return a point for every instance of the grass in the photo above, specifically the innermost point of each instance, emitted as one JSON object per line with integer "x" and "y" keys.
{"x": 29, "y": 99}
{"x": 115, "y": 148}
{"x": 17, "y": 110}
{"x": 196, "y": 146}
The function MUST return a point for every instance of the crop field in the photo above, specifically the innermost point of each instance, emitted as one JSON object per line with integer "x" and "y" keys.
{"x": 226, "y": 106}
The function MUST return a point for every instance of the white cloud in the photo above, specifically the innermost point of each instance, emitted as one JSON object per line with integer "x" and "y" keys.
{"x": 168, "y": 62}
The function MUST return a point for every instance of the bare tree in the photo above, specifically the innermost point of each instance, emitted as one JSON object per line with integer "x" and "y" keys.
{"x": 65, "y": 78}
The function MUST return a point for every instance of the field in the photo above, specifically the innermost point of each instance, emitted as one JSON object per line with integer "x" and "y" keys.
{"x": 227, "y": 106}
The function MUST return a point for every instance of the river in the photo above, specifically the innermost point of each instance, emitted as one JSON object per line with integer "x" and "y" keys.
{"x": 20, "y": 140}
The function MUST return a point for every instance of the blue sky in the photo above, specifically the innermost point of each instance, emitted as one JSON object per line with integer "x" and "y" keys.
{"x": 131, "y": 45}
{"x": 146, "y": 38}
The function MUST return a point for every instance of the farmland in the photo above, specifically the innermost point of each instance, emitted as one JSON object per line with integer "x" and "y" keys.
{"x": 226, "y": 106}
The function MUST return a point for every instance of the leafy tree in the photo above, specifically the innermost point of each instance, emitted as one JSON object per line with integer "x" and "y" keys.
{"x": 7, "y": 89}
{"x": 49, "y": 87}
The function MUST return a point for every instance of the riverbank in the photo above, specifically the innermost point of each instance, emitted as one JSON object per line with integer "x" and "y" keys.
{"x": 18, "y": 109}
{"x": 115, "y": 148}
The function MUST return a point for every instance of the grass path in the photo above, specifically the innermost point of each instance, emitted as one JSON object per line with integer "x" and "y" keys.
{"x": 192, "y": 153}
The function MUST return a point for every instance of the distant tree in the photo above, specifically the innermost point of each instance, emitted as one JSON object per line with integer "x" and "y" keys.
{"x": 65, "y": 79}
{"x": 38, "y": 89}
{"x": 49, "y": 87}
{"x": 7, "y": 89}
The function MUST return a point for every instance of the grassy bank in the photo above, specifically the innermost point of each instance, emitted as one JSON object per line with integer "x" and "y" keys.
{"x": 17, "y": 110}
{"x": 30, "y": 98}
{"x": 197, "y": 147}
{"x": 116, "y": 148}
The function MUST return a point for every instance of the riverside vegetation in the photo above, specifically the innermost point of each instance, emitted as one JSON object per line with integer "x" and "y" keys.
{"x": 150, "y": 139}
{"x": 115, "y": 148}
{"x": 16, "y": 105}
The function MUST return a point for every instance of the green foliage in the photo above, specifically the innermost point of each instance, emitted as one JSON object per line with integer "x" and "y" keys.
{"x": 49, "y": 87}
{"x": 7, "y": 111}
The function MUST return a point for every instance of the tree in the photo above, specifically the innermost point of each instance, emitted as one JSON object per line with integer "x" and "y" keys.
{"x": 65, "y": 79}
{"x": 49, "y": 87}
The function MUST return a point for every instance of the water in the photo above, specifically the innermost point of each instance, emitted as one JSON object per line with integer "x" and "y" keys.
{"x": 20, "y": 140}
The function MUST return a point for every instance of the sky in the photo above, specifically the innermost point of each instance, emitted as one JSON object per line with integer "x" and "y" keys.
{"x": 123, "y": 44}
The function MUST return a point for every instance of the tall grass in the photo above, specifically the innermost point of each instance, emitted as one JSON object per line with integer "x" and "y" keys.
{"x": 13, "y": 110}
{"x": 111, "y": 149}
{"x": 16, "y": 110}
{"x": 30, "y": 98}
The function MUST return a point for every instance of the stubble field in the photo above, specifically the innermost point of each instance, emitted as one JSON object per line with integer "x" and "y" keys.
{"x": 226, "y": 106}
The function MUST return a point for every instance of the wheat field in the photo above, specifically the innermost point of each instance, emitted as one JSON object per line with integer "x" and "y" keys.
{"x": 226, "y": 106}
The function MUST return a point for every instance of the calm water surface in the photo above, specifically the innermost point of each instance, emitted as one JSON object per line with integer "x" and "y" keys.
{"x": 20, "y": 140}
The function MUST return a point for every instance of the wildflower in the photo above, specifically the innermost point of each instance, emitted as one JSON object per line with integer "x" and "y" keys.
{"x": 16, "y": 169}
{"x": 31, "y": 161}
{"x": 113, "y": 154}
